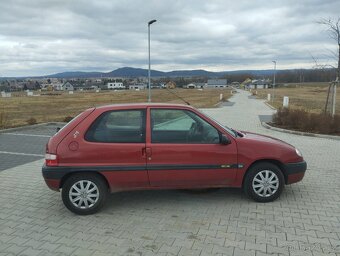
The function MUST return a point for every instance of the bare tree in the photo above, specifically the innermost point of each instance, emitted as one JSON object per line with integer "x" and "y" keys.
{"x": 333, "y": 27}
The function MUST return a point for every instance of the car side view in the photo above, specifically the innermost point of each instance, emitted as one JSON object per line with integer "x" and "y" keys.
{"x": 162, "y": 146}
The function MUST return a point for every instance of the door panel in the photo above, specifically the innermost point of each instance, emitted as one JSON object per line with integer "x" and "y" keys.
{"x": 194, "y": 159}
{"x": 192, "y": 165}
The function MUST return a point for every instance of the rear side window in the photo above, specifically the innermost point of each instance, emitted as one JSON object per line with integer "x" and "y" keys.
{"x": 121, "y": 126}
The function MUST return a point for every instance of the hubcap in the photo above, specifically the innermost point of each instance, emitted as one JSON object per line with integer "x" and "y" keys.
{"x": 265, "y": 183}
{"x": 84, "y": 194}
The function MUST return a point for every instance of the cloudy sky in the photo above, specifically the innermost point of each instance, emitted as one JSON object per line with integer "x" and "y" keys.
{"x": 40, "y": 37}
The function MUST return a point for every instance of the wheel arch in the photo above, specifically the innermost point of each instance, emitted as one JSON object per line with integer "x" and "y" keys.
{"x": 98, "y": 174}
{"x": 279, "y": 164}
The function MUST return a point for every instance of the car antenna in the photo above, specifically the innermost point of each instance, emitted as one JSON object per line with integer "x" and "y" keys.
{"x": 186, "y": 102}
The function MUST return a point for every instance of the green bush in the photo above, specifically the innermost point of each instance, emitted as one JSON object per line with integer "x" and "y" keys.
{"x": 301, "y": 120}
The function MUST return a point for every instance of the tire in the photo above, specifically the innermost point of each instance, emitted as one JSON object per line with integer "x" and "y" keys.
{"x": 264, "y": 182}
{"x": 84, "y": 193}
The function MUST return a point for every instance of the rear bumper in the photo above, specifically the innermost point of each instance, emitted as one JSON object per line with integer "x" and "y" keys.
{"x": 295, "y": 171}
{"x": 53, "y": 184}
{"x": 52, "y": 180}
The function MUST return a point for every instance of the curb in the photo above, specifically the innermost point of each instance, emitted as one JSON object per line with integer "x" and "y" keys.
{"x": 30, "y": 126}
{"x": 266, "y": 102}
{"x": 324, "y": 136}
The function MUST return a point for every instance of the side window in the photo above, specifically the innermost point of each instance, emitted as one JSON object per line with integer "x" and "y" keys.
{"x": 121, "y": 126}
{"x": 181, "y": 126}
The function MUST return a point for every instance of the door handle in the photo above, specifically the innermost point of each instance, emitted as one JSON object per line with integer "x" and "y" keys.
{"x": 146, "y": 153}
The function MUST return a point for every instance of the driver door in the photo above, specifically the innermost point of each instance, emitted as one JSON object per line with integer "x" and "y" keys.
{"x": 184, "y": 150}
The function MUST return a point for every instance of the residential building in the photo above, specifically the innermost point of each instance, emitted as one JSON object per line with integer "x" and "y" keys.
{"x": 57, "y": 86}
{"x": 115, "y": 85}
{"x": 67, "y": 87}
{"x": 137, "y": 86}
{"x": 170, "y": 85}
{"x": 216, "y": 83}
{"x": 259, "y": 84}
{"x": 190, "y": 86}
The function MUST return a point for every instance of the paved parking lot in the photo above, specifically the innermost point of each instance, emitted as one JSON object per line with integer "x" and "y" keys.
{"x": 305, "y": 220}
{"x": 24, "y": 145}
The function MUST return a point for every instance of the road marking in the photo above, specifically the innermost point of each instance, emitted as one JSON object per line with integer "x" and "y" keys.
{"x": 20, "y": 154}
{"x": 28, "y": 135}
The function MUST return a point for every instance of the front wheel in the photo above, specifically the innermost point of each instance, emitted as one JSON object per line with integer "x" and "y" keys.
{"x": 264, "y": 182}
{"x": 84, "y": 194}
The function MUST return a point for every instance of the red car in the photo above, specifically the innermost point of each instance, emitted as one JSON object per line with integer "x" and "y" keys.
{"x": 162, "y": 146}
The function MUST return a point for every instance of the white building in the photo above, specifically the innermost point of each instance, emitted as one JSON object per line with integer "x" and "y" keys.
{"x": 216, "y": 83}
{"x": 190, "y": 86}
{"x": 115, "y": 85}
{"x": 139, "y": 86}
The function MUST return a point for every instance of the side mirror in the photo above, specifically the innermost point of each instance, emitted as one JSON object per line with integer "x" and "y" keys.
{"x": 58, "y": 129}
{"x": 225, "y": 140}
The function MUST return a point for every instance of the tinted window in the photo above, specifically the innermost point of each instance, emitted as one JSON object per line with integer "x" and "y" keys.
{"x": 180, "y": 126}
{"x": 125, "y": 126}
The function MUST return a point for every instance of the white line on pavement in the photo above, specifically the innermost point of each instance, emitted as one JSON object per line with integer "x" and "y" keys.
{"x": 29, "y": 135}
{"x": 20, "y": 154}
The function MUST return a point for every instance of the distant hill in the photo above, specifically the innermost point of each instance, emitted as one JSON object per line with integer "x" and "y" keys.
{"x": 131, "y": 72}
{"x": 140, "y": 72}
{"x": 75, "y": 74}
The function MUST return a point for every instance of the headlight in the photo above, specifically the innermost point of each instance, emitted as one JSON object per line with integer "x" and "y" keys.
{"x": 298, "y": 152}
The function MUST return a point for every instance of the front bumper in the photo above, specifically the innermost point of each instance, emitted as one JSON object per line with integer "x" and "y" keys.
{"x": 295, "y": 171}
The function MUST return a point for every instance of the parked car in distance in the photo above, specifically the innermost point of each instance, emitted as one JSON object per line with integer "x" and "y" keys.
{"x": 162, "y": 146}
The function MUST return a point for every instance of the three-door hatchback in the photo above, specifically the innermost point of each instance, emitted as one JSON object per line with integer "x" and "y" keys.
{"x": 162, "y": 146}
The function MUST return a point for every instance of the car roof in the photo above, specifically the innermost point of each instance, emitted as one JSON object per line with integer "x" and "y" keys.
{"x": 142, "y": 105}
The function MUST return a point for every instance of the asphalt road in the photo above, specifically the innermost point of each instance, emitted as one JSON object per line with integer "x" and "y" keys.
{"x": 24, "y": 145}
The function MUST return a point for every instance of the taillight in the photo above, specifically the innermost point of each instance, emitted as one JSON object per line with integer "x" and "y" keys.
{"x": 51, "y": 160}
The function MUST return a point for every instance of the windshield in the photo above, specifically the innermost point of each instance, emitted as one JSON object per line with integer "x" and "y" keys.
{"x": 226, "y": 128}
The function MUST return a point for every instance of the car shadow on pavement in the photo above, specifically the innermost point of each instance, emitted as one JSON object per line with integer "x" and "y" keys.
{"x": 174, "y": 199}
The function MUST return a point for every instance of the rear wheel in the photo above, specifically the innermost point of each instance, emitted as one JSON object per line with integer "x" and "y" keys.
{"x": 84, "y": 193}
{"x": 264, "y": 182}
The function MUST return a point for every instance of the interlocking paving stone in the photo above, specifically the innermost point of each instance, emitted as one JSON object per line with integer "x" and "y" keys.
{"x": 305, "y": 220}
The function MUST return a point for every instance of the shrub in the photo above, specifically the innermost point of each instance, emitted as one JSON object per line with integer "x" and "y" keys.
{"x": 68, "y": 119}
{"x": 31, "y": 121}
{"x": 298, "y": 119}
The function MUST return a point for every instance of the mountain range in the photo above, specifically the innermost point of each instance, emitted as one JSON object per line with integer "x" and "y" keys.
{"x": 130, "y": 72}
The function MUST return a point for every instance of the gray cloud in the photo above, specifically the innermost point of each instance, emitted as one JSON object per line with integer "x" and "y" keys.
{"x": 41, "y": 37}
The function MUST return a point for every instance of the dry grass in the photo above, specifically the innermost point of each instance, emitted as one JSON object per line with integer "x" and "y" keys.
{"x": 301, "y": 120}
{"x": 15, "y": 111}
{"x": 310, "y": 97}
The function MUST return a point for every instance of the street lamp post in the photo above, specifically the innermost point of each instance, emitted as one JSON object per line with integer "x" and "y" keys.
{"x": 274, "y": 61}
{"x": 149, "y": 23}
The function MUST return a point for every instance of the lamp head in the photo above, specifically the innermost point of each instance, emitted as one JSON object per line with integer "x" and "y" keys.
{"x": 151, "y": 21}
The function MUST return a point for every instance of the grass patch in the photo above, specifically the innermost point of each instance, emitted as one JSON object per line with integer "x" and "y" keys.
{"x": 306, "y": 96}
{"x": 16, "y": 111}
